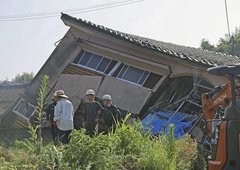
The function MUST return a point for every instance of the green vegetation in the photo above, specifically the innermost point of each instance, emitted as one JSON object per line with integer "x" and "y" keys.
{"x": 25, "y": 78}
{"x": 227, "y": 45}
{"x": 129, "y": 147}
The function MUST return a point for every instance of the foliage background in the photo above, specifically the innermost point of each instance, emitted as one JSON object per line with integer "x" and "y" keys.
{"x": 227, "y": 45}
{"x": 127, "y": 148}
{"x": 24, "y": 78}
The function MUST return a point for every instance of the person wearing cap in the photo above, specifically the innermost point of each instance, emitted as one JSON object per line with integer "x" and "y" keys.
{"x": 111, "y": 113}
{"x": 49, "y": 116}
{"x": 63, "y": 116}
{"x": 93, "y": 112}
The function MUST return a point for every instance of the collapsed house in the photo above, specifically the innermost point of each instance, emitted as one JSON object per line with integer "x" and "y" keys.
{"x": 143, "y": 76}
{"x": 9, "y": 93}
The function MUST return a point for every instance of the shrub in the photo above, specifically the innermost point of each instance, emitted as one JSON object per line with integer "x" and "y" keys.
{"x": 187, "y": 153}
{"x": 162, "y": 153}
{"x": 200, "y": 162}
{"x": 154, "y": 157}
{"x": 84, "y": 152}
{"x": 127, "y": 148}
{"x": 4, "y": 154}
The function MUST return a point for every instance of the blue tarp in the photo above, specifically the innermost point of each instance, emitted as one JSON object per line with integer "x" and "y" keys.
{"x": 155, "y": 121}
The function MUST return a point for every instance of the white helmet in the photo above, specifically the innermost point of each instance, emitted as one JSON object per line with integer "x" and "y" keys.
{"x": 107, "y": 97}
{"x": 90, "y": 92}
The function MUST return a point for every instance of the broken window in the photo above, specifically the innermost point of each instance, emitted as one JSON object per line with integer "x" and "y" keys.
{"x": 24, "y": 109}
{"x": 152, "y": 80}
{"x": 95, "y": 62}
{"x": 138, "y": 76}
{"x": 132, "y": 74}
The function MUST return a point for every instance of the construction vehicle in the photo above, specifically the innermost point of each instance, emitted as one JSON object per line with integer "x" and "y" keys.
{"x": 221, "y": 108}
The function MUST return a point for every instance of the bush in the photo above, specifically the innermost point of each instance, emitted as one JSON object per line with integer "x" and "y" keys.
{"x": 4, "y": 154}
{"x": 187, "y": 153}
{"x": 84, "y": 152}
{"x": 118, "y": 150}
{"x": 127, "y": 148}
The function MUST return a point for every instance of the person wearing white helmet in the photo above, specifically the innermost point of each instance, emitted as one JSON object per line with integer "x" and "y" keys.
{"x": 93, "y": 112}
{"x": 111, "y": 113}
{"x": 90, "y": 92}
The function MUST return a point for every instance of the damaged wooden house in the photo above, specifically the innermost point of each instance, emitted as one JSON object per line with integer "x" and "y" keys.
{"x": 9, "y": 93}
{"x": 140, "y": 74}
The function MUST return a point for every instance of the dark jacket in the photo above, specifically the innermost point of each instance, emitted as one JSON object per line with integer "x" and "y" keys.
{"x": 91, "y": 112}
{"x": 111, "y": 115}
{"x": 50, "y": 111}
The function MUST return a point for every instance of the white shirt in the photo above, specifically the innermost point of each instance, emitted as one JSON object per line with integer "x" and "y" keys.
{"x": 63, "y": 114}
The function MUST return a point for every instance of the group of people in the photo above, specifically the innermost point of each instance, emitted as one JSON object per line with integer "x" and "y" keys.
{"x": 98, "y": 118}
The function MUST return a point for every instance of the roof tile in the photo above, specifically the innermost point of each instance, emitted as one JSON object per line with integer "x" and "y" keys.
{"x": 11, "y": 93}
{"x": 190, "y": 54}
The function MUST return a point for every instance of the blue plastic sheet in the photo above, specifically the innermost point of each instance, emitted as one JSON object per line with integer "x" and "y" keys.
{"x": 154, "y": 122}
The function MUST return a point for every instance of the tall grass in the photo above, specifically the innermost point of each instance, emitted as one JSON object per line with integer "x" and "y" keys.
{"x": 127, "y": 148}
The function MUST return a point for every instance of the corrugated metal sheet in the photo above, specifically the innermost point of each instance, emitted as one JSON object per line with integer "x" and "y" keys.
{"x": 75, "y": 69}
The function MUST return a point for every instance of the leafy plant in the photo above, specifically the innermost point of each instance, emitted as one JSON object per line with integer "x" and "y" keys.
{"x": 128, "y": 147}
{"x": 187, "y": 153}
{"x": 30, "y": 153}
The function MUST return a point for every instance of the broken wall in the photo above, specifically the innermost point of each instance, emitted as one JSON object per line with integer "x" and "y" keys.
{"x": 75, "y": 86}
{"x": 127, "y": 96}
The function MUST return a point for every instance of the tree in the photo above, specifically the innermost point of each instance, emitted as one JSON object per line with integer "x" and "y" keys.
{"x": 25, "y": 78}
{"x": 205, "y": 44}
{"x": 227, "y": 45}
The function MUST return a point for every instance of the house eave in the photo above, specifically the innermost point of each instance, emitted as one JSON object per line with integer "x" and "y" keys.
{"x": 74, "y": 23}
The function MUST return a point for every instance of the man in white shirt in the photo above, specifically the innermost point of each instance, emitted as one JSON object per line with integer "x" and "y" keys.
{"x": 63, "y": 116}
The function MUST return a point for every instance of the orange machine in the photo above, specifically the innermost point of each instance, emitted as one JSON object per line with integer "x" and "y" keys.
{"x": 223, "y": 129}
{"x": 214, "y": 101}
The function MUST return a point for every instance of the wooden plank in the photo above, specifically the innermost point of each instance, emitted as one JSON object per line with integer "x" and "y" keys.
{"x": 20, "y": 122}
{"x": 78, "y": 70}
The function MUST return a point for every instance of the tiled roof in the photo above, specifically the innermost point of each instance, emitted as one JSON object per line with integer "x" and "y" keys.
{"x": 9, "y": 83}
{"x": 11, "y": 93}
{"x": 189, "y": 54}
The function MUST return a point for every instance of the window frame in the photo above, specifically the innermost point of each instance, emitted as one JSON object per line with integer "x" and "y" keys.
{"x": 21, "y": 114}
{"x": 107, "y": 65}
{"x": 114, "y": 69}
{"x": 85, "y": 66}
{"x": 145, "y": 78}
{"x": 131, "y": 81}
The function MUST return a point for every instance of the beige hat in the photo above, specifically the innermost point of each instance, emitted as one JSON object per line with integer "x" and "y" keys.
{"x": 60, "y": 93}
